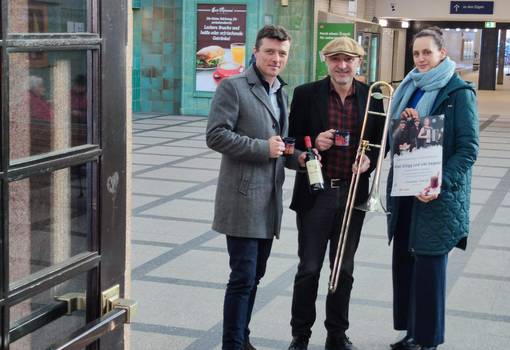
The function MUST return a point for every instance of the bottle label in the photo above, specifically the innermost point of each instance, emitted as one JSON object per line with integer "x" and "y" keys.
{"x": 313, "y": 168}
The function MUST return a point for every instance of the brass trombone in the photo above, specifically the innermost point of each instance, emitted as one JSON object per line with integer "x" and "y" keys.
{"x": 374, "y": 203}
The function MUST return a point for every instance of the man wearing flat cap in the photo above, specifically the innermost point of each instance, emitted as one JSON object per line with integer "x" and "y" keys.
{"x": 330, "y": 110}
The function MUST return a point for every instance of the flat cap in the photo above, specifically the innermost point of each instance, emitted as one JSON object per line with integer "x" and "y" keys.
{"x": 344, "y": 45}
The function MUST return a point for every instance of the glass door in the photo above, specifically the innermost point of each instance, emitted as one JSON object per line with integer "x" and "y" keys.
{"x": 58, "y": 214}
{"x": 369, "y": 70}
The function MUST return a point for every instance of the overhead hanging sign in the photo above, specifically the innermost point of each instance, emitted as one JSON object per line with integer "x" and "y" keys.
{"x": 471, "y": 7}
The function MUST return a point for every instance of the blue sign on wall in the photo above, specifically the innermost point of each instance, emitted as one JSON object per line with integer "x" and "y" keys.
{"x": 472, "y": 7}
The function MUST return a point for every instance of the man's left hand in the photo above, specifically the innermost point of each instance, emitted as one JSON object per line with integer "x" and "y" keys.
{"x": 364, "y": 165}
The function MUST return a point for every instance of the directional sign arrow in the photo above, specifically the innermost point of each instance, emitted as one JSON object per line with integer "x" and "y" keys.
{"x": 456, "y": 7}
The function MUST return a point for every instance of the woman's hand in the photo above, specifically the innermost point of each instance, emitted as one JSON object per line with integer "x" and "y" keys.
{"x": 409, "y": 113}
{"x": 425, "y": 198}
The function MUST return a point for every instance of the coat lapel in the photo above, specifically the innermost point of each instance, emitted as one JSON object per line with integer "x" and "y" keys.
{"x": 321, "y": 103}
{"x": 258, "y": 90}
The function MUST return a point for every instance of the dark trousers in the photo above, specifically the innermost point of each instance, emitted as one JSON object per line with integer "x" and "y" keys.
{"x": 419, "y": 288}
{"x": 248, "y": 258}
{"x": 316, "y": 228}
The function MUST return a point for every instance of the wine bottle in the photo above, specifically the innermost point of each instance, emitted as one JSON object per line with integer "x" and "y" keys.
{"x": 313, "y": 168}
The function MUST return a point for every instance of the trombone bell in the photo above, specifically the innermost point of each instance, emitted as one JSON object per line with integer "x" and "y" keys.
{"x": 373, "y": 205}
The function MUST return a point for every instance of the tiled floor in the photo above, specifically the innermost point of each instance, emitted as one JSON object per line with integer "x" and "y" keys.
{"x": 180, "y": 266}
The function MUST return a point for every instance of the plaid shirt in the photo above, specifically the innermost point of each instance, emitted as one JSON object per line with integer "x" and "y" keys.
{"x": 342, "y": 117}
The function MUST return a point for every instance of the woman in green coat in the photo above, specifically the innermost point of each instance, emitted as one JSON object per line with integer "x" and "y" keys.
{"x": 426, "y": 227}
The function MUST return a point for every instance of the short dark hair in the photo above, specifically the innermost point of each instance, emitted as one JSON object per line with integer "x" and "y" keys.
{"x": 272, "y": 32}
{"x": 435, "y": 33}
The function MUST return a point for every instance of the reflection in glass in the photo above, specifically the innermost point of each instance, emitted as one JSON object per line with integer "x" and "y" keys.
{"x": 57, "y": 16}
{"x": 47, "y": 101}
{"x": 56, "y": 330}
{"x": 48, "y": 220}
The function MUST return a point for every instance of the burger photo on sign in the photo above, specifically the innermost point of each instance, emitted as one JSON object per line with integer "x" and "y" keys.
{"x": 210, "y": 57}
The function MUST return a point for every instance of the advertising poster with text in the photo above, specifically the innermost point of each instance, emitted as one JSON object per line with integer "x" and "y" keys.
{"x": 221, "y": 43}
{"x": 417, "y": 155}
{"x": 326, "y": 33}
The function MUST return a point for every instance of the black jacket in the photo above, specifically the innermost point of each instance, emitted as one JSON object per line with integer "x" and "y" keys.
{"x": 309, "y": 116}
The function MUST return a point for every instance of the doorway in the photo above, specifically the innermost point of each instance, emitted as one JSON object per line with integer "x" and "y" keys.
{"x": 62, "y": 173}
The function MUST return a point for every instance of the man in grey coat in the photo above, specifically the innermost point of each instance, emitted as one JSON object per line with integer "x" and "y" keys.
{"x": 247, "y": 121}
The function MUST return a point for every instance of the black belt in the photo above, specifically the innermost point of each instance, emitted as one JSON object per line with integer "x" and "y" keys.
{"x": 337, "y": 183}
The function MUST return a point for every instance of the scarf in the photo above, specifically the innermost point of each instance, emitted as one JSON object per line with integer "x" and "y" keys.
{"x": 430, "y": 82}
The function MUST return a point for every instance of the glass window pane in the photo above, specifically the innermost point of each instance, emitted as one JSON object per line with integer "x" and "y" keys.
{"x": 47, "y": 101}
{"x": 49, "y": 220}
{"x": 58, "y": 329}
{"x": 57, "y": 16}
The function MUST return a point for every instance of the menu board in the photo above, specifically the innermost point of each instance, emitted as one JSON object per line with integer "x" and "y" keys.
{"x": 221, "y": 43}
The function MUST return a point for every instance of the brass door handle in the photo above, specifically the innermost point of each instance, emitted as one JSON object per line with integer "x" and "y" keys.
{"x": 114, "y": 310}
{"x": 93, "y": 331}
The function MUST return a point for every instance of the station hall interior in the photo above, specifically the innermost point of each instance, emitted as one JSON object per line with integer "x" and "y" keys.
{"x": 107, "y": 185}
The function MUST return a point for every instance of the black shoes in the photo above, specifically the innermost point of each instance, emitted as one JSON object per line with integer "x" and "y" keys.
{"x": 248, "y": 346}
{"x": 341, "y": 342}
{"x": 405, "y": 343}
{"x": 408, "y": 343}
{"x": 299, "y": 343}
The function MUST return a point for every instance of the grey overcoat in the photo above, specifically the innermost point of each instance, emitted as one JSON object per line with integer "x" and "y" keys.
{"x": 249, "y": 193}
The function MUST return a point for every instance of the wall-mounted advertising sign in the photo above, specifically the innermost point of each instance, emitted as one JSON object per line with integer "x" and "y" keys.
{"x": 326, "y": 32}
{"x": 221, "y": 43}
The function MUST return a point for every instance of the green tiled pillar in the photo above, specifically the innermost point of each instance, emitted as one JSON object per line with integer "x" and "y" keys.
{"x": 157, "y": 72}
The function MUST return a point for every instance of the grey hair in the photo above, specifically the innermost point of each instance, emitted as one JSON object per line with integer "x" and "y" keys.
{"x": 34, "y": 81}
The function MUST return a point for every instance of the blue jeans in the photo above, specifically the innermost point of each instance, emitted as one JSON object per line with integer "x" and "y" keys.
{"x": 248, "y": 258}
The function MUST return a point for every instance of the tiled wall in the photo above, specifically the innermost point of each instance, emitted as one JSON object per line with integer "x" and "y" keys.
{"x": 157, "y": 71}
{"x": 297, "y": 19}
{"x": 163, "y": 77}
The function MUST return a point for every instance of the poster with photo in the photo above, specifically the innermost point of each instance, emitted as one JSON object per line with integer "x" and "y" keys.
{"x": 221, "y": 43}
{"x": 417, "y": 155}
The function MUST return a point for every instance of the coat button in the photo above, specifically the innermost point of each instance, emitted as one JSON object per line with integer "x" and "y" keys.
{"x": 274, "y": 126}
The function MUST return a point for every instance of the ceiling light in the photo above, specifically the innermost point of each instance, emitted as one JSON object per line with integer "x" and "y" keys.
{"x": 383, "y": 22}
{"x": 405, "y": 24}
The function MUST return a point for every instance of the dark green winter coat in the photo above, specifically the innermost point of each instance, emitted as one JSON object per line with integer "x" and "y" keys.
{"x": 440, "y": 225}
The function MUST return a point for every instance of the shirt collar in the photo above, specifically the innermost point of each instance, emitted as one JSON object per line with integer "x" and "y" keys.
{"x": 352, "y": 91}
{"x": 277, "y": 83}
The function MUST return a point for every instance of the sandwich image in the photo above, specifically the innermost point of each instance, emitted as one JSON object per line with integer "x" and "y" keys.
{"x": 210, "y": 56}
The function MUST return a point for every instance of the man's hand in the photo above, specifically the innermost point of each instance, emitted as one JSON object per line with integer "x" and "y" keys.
{"x": 276, "y": 146}
{"x": 364, "y": 164}
{"x": 302, "y": 157}
{"x": 325, "y": 140}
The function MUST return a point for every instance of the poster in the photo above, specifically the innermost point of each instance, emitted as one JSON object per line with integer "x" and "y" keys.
{"x": 417, "y": 155}
{"x": 326, "y": 32}
{"x": 221, "y": 43}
